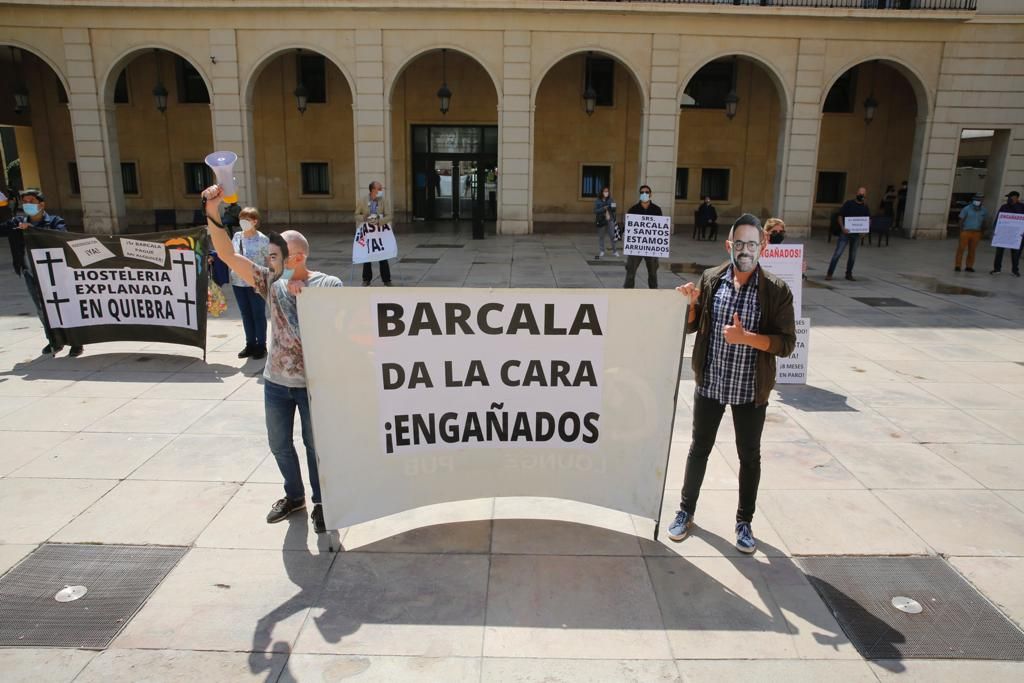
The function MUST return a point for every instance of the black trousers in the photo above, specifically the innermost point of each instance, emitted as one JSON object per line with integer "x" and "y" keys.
{"x": 748, "y": 422}
{"x": 633, "y": 264}
{"x": 385, "y": 271}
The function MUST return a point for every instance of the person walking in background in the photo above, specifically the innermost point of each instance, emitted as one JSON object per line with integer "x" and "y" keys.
{"x": 888, "y": 205}
{"x": 901, "y": 204}
{"x": 1012, "y": 205}
{"x": 644, "y": 207}
{"x": 604, "y": 219}
{"x": 972, "y": 224}
{"x": 373, "y": 211}
{"x": 253, "y": 245}
{"x": 853, "y": 207}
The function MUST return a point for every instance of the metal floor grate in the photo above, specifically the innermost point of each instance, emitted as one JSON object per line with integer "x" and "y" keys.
{"x": 414, "y": 259}
{"x": 954, "y": 622}
{"x": 884, "y": 302}
{"x": 118, "y": 578}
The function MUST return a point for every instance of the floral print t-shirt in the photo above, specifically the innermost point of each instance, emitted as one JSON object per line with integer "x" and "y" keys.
{"x": 285, "y": 365}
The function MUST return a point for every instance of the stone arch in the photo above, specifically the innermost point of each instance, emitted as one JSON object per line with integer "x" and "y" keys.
{"x": 265, "y": 59}
{"x": 389, "y": 87}
{"x": 631, "y": 68}
{"x": 109, "y": 79}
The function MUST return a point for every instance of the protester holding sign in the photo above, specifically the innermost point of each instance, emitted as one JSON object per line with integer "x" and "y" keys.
{"x": 743, "y": 319}
{"x": 284, "y": 387}
{"x": 853, "y": 208}
{"x": 33, "y": 215}
{"x": 1012, "y": 206}
{"x": 374, "y": 212}
{"x": 253, "y": 245}
{"x": 644, "y": 207}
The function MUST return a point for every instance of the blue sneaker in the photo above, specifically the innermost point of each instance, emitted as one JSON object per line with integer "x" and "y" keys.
{"x": 680, "y": 528}
{"x": 745, "y": 538}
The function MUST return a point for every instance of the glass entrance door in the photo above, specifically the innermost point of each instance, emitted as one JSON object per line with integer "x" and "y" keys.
{"x": 443, "y": 182}
{"x": 454, "y": 172}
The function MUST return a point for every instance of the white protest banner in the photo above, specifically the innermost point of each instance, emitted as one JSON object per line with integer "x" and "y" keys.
{"x": 646, "y": 235}
{"x": 374, "y": 243}
{"x": 1009, "y": 230}
{"x": 793, "y": 370}
{"x": 857, "y": 224}
{"x": 426, "y": 396}
{"x": 786, "y": 261}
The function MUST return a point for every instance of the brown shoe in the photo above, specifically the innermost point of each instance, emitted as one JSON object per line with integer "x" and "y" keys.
{"x": 828, "y": 277}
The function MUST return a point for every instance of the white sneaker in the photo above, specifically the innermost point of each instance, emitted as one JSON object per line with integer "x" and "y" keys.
{"x": 599, "y": 254}
{"x": 616, "y": 253}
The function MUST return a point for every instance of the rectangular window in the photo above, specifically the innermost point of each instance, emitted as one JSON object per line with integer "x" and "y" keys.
{"x": 191, "y": 88}
{"x": 714, "y": 182}
{"x": 121, "y": 88}
{"x": 76, "y": 188}
{"x": 129, "y": 177}
{"x": 709, "y": 86}
{"x": 594, "y": 178}
{"x": 313, "y": 75}
{"x": 316, "y": 178}
{"x": 198, "y": 177}
{"x": 62, "y": 94}
{"x": 602, "y": 78}
{"x": 831, "y": 187}
{"x": 842, "y": 97}
{"x": 682, "y": 180}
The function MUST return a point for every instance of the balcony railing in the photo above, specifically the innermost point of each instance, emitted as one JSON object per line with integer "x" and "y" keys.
{"x": 953, "y": 5}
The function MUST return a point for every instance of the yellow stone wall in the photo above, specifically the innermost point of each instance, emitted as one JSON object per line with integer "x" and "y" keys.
{"x": 284, "y": 139}
{"x": 565, "y": 139}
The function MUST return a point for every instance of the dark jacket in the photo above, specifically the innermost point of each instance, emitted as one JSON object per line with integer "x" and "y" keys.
{"x": 600, "y": 206}
{"x": 16, "y": 236}
{"x": 706, "y": 215}
{"x": 776, "y": 301}
{"x": 651, "y": 210}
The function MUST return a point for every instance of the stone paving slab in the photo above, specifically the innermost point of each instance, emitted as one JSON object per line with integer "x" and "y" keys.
{"x": 908, "y": 440}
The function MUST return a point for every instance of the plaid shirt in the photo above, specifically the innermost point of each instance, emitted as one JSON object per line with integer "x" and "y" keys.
{"x": 729, "y": 368}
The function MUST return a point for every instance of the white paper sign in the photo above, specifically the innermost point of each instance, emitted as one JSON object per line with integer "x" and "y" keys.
{"x": 793, "y": 370}
{"x": 425, "y": 396}
{"x": 786, "y": 261}
{"x": 857, "y": 224}
{"x": 646, "y": 235}
{"x": 89, "y": 250}
{"x": 1009, "y": 229}
{"x": 80, "y": 297}
{"x": 153, "y": 252}
{"x": 374, "y": 243}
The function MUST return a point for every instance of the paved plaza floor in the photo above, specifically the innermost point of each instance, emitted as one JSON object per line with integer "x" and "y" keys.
{"x": 907, "y": 440}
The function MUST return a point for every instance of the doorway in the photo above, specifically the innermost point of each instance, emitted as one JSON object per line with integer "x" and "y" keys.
{"x": 455, "y": 172}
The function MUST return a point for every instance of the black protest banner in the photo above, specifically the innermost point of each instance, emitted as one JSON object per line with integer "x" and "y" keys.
{"x": 99, "y": 288}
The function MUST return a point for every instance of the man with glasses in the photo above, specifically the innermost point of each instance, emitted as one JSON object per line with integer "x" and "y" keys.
{"x": 743, "y": 318}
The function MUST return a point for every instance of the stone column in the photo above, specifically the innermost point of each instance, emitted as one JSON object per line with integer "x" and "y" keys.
{"x": 101, "y": 211}
{"x": 230, "y": 125}
{"x": 660, "y": 132}
{"x": 515, "y": 143}
{"x": 371, "y": 111}
{"x": 802, "y": 131}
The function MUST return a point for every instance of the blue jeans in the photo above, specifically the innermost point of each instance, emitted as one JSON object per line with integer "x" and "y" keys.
{"x": 279, "y": 404}
{"x": 254, "y": 315}
{"x": 853, "y": 240}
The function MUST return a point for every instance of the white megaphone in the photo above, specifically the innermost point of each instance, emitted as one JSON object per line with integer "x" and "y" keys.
{"x": 223, "y": 166}
{"x": 3, "y": 199}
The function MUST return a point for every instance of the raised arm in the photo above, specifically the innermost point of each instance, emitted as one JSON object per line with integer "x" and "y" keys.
{"x": 221, "y": 241}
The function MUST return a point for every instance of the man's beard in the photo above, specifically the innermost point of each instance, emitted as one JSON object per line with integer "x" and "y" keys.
{"x": 744, "y": 262}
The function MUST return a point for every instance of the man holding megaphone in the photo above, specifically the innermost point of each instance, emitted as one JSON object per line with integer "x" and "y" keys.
{"x": 284, "y": 386}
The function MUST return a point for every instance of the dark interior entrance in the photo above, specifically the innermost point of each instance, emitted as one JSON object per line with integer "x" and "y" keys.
{"x": 454, "y": 172}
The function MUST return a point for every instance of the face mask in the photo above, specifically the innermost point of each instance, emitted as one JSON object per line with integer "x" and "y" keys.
{"x": 30, "y": 209}
{"x": 287, "y": 273}
{"x": 976, "y": 203}
{"x": 605, "y": 195}
{"x": 247, "y": 224}
{"x": 645, "y": 197}
{"x": 380, "y": 194}
{"x": 777, "y": 237}
{"x": 860, "y": 198}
